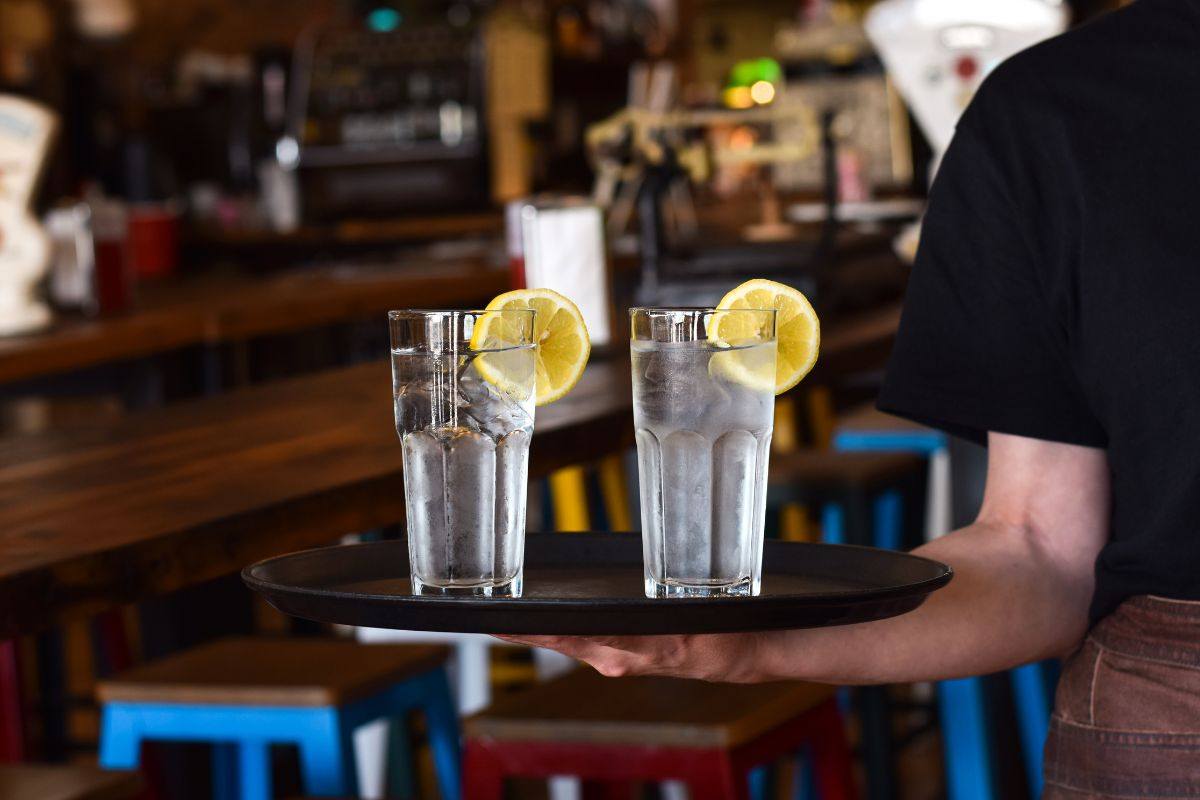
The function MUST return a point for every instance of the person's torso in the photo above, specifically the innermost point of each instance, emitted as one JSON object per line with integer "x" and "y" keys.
{"x": 1123, "y": 128}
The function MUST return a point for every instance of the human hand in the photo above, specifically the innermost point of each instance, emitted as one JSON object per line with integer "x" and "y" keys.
{"x": 722, "y": 657}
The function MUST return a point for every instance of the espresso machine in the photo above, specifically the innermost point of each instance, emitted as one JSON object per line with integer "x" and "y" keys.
{"x": 385, "y": 118}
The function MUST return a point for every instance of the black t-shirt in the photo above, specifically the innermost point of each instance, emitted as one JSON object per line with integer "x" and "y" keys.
{"x": 1056, "y": 293}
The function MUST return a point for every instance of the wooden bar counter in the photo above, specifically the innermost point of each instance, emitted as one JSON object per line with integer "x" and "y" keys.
{"x": 230, "y": 307}
{"x": 162, "y": 499}
{"x": 167, "y": 498}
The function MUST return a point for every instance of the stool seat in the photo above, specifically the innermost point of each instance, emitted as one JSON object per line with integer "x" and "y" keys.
{"x": 66, "y": 782}
{"x": 243, "y": 695}
{"x": 272, "y": 672}
{"x": 585, "y": 707}
{"x": 826, "y": 468}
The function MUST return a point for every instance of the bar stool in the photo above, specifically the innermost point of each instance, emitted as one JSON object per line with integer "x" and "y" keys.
{"x": 860, "y": 494}
{"x": 627, "y": 730}
{"x": 67, "y": 782}
{"x": 861, "y": 497}
{"x": 245, "y": 694}
{"x": 964, "y": 718}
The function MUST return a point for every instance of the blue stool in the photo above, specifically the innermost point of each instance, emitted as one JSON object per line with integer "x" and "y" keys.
{"x": 861, "y": 500}
{"x": 963, "y": 714}
{"x": 244, "y": 695}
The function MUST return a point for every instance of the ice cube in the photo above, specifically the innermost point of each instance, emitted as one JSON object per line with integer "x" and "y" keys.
{"x": 413, "y": 408}
{"x": 650, "y": 490}
{"x": 735, "y": 458}
{"x": 424, "y": 493}
{"x": 486, "y": 408}
{"x": 512, "y": 468}
{"x": 470, "y": 489}
{"x": 687, "y": 507}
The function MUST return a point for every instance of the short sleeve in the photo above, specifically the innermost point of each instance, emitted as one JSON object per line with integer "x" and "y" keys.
{"x": 981, "y": 346}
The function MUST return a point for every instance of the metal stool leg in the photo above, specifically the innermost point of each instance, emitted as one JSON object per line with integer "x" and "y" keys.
{"x": 225, "y": 771}
{"x": 399, "y": 760}
{"x": 1032, "y": 697}
{"x": 254, "y": 768}
{"x": 443, "y": 735}
{"x": 874, "y": 711}
{"x": 120, "y": 738}
{"x": 833, "y": 524}
{"x": 569, "y": 492}
{"x": 889, "y": 520}
{"x": 964, "y": 739}
{"x": 484, "y": 773}
{"x": 326, "y": 755}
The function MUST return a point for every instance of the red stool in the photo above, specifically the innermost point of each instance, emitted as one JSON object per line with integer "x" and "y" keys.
{"x": 710, "y": 736}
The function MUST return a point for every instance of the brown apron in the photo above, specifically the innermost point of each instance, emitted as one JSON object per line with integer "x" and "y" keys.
{"x": 1127, "y": 711}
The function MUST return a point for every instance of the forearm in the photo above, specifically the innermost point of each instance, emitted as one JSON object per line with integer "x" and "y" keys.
{"x": 1023, "y": 581}
{"x": 1010, "y": 602}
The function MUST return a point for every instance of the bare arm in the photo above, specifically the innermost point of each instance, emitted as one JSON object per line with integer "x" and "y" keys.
{"x": 1023, "y": 581}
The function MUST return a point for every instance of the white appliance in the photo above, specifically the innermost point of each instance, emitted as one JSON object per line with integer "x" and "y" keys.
{"x": 26, "y": 130}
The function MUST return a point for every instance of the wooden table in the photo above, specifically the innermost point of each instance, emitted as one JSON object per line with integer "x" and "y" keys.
{"x": 229, "y": 307}
{"x": 167, "y": 498}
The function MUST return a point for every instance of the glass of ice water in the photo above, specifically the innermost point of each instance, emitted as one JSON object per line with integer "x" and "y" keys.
{"x": 466, "y": 448}
{"x": 703, "y": 407}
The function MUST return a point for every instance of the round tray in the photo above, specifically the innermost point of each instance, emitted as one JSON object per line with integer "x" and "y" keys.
{"x": 592, "y": 584}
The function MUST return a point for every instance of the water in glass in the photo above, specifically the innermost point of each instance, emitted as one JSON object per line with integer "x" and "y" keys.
{"x": 466, "y": 456}
{"x": 703, "y": 439}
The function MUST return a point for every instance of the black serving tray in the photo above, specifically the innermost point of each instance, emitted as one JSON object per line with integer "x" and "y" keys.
{"x": 592, "y": 584}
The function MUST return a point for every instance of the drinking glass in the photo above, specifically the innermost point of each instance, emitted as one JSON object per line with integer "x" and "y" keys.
{"x": 703, "y": 407}
{"x": 465, "y": 420}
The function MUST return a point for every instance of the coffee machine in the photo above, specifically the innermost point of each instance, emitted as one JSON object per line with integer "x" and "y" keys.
{"x": 386, "y": 118}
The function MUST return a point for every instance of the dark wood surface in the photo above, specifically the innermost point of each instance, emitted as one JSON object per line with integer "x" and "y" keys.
{"x": 230, "y": 306}
{"x": 67, "y": 782}
{"x": 358, "y": 231}
{"x": 168, "y": 498}
{"x": 582, "y": 706}
{"x": 868, "y": 418}
{"x": 156, "y": 501}
{"x": 260, "y": 671}
{"x": 828, "y": 468}
{"x": 859, "y": 342}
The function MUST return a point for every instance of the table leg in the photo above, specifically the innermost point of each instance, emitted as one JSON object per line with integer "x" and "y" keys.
{"x": 874, "y": 714}
{"x": 483, "y": 775}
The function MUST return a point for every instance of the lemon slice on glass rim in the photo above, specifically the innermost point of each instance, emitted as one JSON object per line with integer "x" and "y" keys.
{"x": 797, "y": 331}
{"x": 559, "y": 335}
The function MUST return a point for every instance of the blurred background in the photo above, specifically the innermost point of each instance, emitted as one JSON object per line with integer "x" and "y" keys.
{"x": 200, "y": 199}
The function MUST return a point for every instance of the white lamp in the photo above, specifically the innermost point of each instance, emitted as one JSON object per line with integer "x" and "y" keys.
{"x": 938, "y": 51}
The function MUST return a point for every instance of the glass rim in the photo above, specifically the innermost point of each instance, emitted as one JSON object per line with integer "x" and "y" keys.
{"x": 696, "y": 310}
{"x": 417, "y": 313}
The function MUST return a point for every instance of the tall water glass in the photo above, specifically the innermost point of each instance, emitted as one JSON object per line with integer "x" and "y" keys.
{"x": 703, "y": 407}
{"x": 465, "y": 420}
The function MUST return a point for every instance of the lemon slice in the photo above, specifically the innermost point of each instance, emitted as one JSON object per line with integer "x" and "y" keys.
{"x": 797, "y": 330}
{"x": 559, "y": 333}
